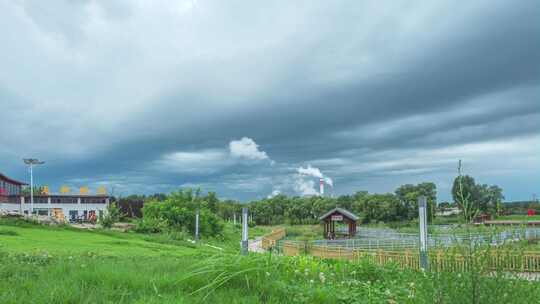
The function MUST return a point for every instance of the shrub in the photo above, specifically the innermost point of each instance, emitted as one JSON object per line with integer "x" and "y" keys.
{"x": 150, "y": 225}
{"x": 177, "y": 212}
{"x": 110, "y": 217}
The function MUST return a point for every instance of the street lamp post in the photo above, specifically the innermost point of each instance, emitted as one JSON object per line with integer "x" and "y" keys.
{"x": 31, "y": 162}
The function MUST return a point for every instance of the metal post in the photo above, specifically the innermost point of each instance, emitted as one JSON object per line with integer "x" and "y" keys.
{"x": 31, "y": 191}
{"x": 31, "y": 162}
{"x": 244, "y": 231}
{"x": 197, "y": 225}
{"x": 422, "y": 216}
{"x": 234, "y": 218}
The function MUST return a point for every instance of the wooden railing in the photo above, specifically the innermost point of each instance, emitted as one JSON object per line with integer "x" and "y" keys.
{"x": 439, "y": 260}
{"x": 270, "y": 240}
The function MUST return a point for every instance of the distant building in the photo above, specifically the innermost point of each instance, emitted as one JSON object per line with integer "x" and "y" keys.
{"x": 73, "y": 206}
{"x": 9, "y": 187}
{"x": 448, "y": 212}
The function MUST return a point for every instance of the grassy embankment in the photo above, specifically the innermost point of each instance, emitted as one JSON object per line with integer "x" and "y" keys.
{"x": 61, "y": 265}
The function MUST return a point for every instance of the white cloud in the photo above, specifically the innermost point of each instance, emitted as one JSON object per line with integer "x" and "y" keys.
{"x": 246, "y": 148}
{"x": 210, "y": 160}
{"x": 275, "y": 192}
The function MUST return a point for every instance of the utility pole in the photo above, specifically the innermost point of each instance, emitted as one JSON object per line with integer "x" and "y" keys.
{"x": 31, "y": 162}
{"x": 423, "y": 232}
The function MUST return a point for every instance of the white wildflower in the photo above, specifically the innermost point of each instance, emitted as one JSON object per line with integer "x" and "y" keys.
{"x": 322, "y": 277}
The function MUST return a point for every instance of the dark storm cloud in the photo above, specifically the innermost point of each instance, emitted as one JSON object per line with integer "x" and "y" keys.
{"x": 309, "y": 82}
{"x": 496, "y": 53}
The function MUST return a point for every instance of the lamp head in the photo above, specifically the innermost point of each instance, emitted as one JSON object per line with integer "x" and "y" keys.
{"x": 33, "y": 161}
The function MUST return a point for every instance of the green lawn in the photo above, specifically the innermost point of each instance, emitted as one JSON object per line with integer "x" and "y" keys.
{"x": 67, "y": 241}
{"x": 27, "y": 238}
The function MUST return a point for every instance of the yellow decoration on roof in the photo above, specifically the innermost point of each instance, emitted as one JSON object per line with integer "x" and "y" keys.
{"x": 83, "y": 190}
{"x": 65, "y": 189}
{"x": 102, "y": 190}
{"x": 45, "y": 190}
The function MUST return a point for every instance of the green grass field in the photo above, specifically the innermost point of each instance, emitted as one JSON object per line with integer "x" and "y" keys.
{"x": 69, "y": 242}
{"x": 518, "y": 218}
{"x": 62, "y": 265}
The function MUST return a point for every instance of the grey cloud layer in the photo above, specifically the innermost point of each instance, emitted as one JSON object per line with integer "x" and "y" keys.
{"x": 125, "y": 85}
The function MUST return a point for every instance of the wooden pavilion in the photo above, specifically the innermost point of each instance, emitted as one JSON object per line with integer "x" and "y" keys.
{"x": 338, "y": 215}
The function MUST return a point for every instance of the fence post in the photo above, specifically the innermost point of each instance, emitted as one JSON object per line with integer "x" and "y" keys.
{"x": 422, "y": 215}
{"x": 244, "y": 231}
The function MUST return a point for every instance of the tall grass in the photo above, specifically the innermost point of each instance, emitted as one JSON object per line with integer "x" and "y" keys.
{"x": 213, "y": 276}
{"x": 229, "y": 278}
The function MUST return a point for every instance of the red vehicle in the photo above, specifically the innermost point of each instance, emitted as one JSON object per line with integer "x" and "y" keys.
{"x": 530, "y": 212}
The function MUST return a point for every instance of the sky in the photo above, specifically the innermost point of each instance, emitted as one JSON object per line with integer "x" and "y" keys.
{"x": 251, "y": 99}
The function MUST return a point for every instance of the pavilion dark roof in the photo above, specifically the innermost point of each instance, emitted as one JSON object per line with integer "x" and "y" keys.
{"x": 346, "y": 213}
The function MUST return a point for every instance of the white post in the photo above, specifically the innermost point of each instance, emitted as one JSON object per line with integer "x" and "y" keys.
{"x": 197, "y": 225}
{"x": 31, "y": 191}
{"x": 422, "y": 216}
{"x": 244, "y": 231}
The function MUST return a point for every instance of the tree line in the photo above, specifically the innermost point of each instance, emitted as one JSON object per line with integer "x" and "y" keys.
{"x": 177, "y": 209}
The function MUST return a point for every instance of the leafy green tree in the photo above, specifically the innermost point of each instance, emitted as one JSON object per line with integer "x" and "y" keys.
{"x": 490, "y": 198}
{"x": 212, "y": 201}
{"x": 408, "y": 194}
{"x": 474, "y": 198}
{"x": 177, "y": 212}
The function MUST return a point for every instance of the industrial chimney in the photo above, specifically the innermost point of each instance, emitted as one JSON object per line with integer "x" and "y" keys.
{"x": 321, "y": 186}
